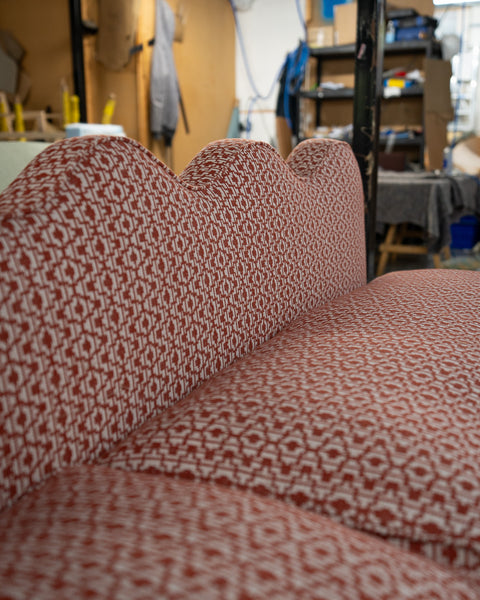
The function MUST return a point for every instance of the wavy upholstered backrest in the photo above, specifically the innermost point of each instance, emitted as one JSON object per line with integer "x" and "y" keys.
{"x": 122, "y": 286}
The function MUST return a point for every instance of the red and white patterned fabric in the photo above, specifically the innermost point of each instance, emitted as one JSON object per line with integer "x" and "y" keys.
{"x": 99, "y": 533}
{"x": 365, "y": 409}
{"x": 216, "y": 327}
{"x": 123, "y": 286}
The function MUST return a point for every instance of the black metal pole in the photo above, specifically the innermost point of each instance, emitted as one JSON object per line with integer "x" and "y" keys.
{"x": 76, "y": 37}
{"x": 366, "y": 109}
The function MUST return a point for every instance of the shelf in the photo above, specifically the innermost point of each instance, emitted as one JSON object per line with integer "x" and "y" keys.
{"x": 324, "y": 107}
{"x": 410, "y": 92}
{"x": 420, "y": 46}
{"x": 333, "y": 51}
{"x": 326, "y": 94}
{"x": 414, "y": 142}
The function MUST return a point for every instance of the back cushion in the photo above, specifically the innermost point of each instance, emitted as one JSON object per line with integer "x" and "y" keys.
{"x": 122, "y": 286}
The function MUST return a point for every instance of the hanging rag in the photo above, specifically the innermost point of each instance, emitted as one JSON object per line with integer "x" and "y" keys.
{"x": 164, "y": 95}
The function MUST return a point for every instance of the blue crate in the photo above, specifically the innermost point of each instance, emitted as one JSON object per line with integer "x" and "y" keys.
{"x": 408, "y": 34}
{"x": 465, "y": 233}
{"x": 414, "y": 28}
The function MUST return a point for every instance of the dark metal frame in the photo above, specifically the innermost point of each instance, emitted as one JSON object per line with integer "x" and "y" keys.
{"x": 366, "y": 109}
{"x": 76, "y": 37}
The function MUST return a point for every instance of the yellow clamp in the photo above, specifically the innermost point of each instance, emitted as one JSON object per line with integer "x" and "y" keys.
{"x": 4, "y": 126}
{"x": 74, "y": 109}
{"x": 66, "y": 105}
{"x": 19, "y": 122}
{"x": 109, "y": 110}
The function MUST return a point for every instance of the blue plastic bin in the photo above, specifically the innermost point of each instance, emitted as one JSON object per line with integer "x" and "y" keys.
{"x": 465, "y": 233}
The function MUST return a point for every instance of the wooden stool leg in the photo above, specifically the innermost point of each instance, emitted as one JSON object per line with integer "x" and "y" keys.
{"x": 437, "y": 258}
{"x": 385, "y": 249}
{"x": 399, "y": 237}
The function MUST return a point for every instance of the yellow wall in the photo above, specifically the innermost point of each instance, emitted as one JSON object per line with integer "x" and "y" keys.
{"x": 205, "y": 61}
{"x": 43, "y": 29}
{"x": 100, "y": 82}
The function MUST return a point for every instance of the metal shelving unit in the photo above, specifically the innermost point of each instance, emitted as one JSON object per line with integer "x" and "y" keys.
{"x": 430, "y": 48}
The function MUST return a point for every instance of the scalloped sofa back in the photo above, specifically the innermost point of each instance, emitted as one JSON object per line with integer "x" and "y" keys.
{"x": 124, "y": 286}
{"x": 195, "y": 375}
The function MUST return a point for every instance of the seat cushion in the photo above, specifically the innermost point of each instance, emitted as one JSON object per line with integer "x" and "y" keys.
{"x": 365, "y": 409}
{"x": 101, "y": 533}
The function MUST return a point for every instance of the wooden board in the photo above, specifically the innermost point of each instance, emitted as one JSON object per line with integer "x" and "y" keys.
{"x": 101, "y": 81}
{"x": 117, "y": 27}
{"x": 205, "y": 62}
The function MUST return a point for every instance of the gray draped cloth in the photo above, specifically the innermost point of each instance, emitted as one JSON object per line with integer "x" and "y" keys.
{"x": 431, "y": 201}
{"x": 164, "y": 95}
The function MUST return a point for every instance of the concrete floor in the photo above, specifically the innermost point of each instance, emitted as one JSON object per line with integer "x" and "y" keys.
{"x": 461, "y": 259}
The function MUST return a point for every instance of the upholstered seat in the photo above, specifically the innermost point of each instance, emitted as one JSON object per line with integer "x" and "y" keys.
{"x": 364, "y": 410}
{"x": 201, "y": 396}
{"x": 99, "y": 533}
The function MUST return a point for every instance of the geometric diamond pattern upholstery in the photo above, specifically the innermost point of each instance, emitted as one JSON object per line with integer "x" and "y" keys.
{"x": 169, "y": 343}
{"x": 365, "y": 409}
{"x": 123, "y": 286}
{"x": 99, "y": 533}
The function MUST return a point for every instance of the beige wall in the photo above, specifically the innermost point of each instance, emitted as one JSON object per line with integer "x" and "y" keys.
{"x": 43, "y": 29}
{"x": 205, "y": 61}
{"x": 100, "y": 82}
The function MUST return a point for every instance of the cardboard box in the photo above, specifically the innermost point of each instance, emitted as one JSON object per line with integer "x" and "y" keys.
{"x": 401, "y": 112}
{"x": 466, "y": 156}
{"x": 345, "y": 23}
{"x": 319, "y": 37}
{"x": 423, "y": 7}
{"x": 338, "y": 113}
{"x": 438, "y": 110}
{"x": 314, "y": 13}
{"x": 339, "y": 71}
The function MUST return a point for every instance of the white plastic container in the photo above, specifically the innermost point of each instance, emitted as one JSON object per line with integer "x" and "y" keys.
{"x": 78, "y": 129}
{"x": 447, "y": 160}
